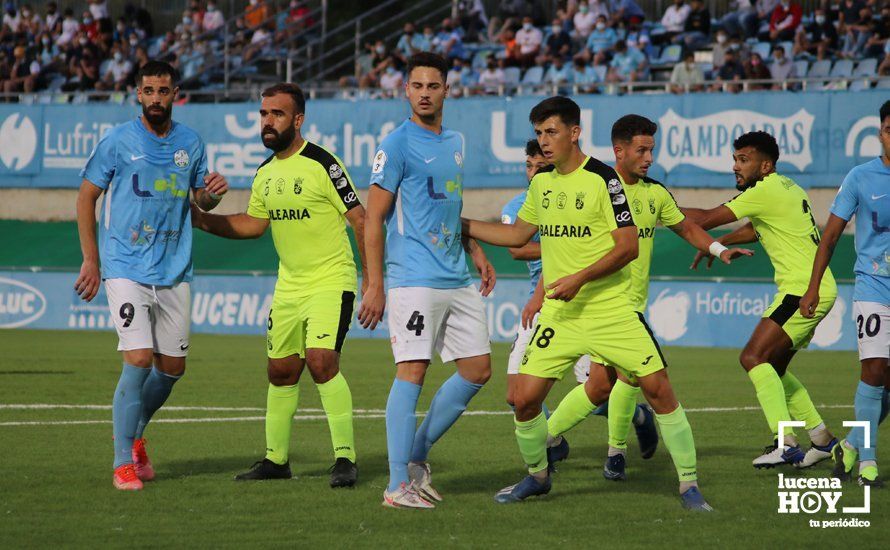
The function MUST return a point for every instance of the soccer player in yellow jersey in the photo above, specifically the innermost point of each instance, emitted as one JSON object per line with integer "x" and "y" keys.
{"x": 304, "y": 193}
{"x": 633, "y": 140}
{"x": 781, "y": 219}
{"x": 588, "y": 237}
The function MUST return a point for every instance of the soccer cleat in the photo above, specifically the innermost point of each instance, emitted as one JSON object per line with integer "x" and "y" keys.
{"x": 421, "y": 479}
{"x": 868, "y": 477}
{"x": 557, "y": 453}
{"x": 773, "y": 456}
{"x": 647, "y": 435}
{"x": 125, "y": 478}
{"x": 265, "y": 469}
{"x": 406, "y": 496}
{"x": 344, "y": 473}
{"x": 528, "y": 487}
{"x": 613, "y": 469}
{"x": 141, "y": 463}
{"x": 844, "y": 459}
{"x": 694, "y": 501}
{"x": 816, "y": 454}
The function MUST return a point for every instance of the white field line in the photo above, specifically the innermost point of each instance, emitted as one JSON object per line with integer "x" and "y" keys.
{"x": 357, "y": 413}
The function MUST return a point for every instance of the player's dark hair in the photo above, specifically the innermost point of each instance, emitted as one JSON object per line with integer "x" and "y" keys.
{"x": 761, "y": 142}
{"x": 291, "y": 89}
{"x": 155, "y": 67}
{"x": 566, "y": 109}
{"x": 428, "y": 59}
{"x": 533, "y": 148}
{"x": 885, "y": 111}
{"x": 628, "y": 126}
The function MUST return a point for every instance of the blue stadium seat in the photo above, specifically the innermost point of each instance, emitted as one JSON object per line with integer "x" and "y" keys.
{"x": 670, "y": 54}
{"x": 763, "y": 48}
{"x": 533, "y": 76}
{"x": 883, "y": 84}
{"x": 820, "y": 69}
{"x": 842, "y": 69}
{"x": 788, "y": 46}
{"x": 801, "y": 67}
{"x": 600, "y": 71}
{"x": 511, "y": 76}
{"x": 865, "y": 68}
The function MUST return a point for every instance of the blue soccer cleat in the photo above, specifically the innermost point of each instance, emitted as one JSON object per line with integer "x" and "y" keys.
{"x": 775, "y": 455}
{"x": 613, "y": 470}
{"x": 647, "y": 435}
{"x": 557, "y": 453}
{"x": 528, "y": 487}
{"x": 694, "y": 501}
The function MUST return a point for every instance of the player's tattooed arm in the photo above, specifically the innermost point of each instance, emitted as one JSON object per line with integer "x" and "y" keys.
{"x": 89, "y": 279}
{"x": 215, "y": 186}
{"x": 380, "y": 202}
{"x": 626, "y": 250}
{"x": 233, "y": 226}
{"x": 690, "y": 231}
{"x": 709, "y": 219}
{"x": 833, "y": 230}
{"x": 356, "y": 218}
{"x": 483, "y": 266}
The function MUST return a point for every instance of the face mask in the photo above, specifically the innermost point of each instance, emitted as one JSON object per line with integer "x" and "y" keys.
{"x": 87, "y": 21}
{"x": 755, "y": 62}
{"x": 294, "y": 4}
{"x": 83, "y": 41}
{"x": 186, "y": 20}
{"x": 527, "y": 26}
{"x": 211, "y": 8}
{"x": 820, "y": 19}
{"x": 253, "y": 2}
{"x": 380, "y": 50}
{"x": 26, "y": 13}
{"x": 45, "y": 41}
{"x": 689, "y": 66}
{"x": 121, "y": 28}
{"x": 390, "y": 70}
{"x": 134, "y": 41}
{"x": 583, "y": 9}
{"x": 721, "y": 39}
{"x": 785, "y": 5}
{"x": 118, "y": 56}
{"x": 600, "y": 26}
{"x": 555, "y": 29}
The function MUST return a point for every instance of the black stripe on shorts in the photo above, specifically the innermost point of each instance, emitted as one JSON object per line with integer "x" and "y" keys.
{"x": 790, "y": 304}
{"x": 346, "y": 304}
{"x": 654, "y": 340}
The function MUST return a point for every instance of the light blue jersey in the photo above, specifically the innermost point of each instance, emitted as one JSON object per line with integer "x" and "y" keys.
{"x": 424, "y": 171}
{"x": 145, "y": 227}
{"x": 866, "y": 193}
{"x": 508, "y": 216}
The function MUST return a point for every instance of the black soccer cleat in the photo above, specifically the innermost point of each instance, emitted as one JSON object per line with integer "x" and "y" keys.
{"x": 266, "y": 469}
{"x": 344, "y": 473}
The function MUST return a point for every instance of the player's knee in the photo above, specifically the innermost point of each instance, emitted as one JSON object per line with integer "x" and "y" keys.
{"x": 282, "y": 374}
{"x": 142, "y": 358}
{"x": 874, "y": 371}
{"x": 323, "y": 365}
{"x": 750, "y": 358}
{"x": 526, "y": 408}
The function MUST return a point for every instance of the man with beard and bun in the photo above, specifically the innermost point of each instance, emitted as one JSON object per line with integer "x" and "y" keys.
{"x": 304, "y": 192}
{"x": 782, "y": 220}
{"x": 146, "y": 168}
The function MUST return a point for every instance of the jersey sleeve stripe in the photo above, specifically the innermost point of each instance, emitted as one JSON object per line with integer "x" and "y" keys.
{"x": 620, "y": 208}
{"x": 336, "y": 174}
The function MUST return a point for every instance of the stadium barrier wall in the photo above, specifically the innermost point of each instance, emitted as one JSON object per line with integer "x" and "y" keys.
{"x": 821, "y": 135}
{"x": 681, "y": 313}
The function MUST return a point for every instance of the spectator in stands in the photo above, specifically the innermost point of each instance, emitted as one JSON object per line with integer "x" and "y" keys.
{"x": 722, "y": 44}
{"x": 848, "y": 14}
{"x": 627, "y": 65}
{"x": 733, "y": 20}
{"x": 30, "y": 23}
{"x": 763, "y": 11}
{"x": 255, "y": 13}
{"x": 584, "y": 76}
{"x": 391, "y": 81}
{"x": 492, "y": 78}
{"x": 583, "y": 22}
{"x": 198, "y": 13}
{"x": 819, "y": 38}
{"x": 880, "y": 33}
{"x": 558, "y": 43}
{"x": 11, "y": 17}
{"x": 558, "y": 74}
{"x": 188, "y": 24}
{"x": 122, "y": 30}
{"x": 260, "y": 42}
{"x": 425, "y": 43}
{"x": 687, "y": 76}
{"x": 23, "y": 73}
{"x": 782, "y": 68}
{"x": 213, "y": 18}
{"x": 673, "y": 21}
{"x": 697, "y": 28}
{"x": 857, "y": 34}
{"x": 884, "y": 67}
{"x": 409, "y": 43}
{"x": 784, "y": 21}
{"x": 99, "y": 10}
{"x": 52, "y": 21}
{"x": 90, "y": 26}
{"x": 48, "y": 55}
{"x": 599, "y": 43}
{"x": 529, "y": 39}
{"x": 117, "y": 73}
{"x": 508, "y": 15}
{"x": 460, "y": 76}
{"x": 472, "y": 19}
{"x": 140, "y": 19}
{"x": 70, "y": 28}
{"x": 756, "y": 69}
{"x": 448, "y": 42}
{"x": 627, "y": 12}
{"x": 84, "y": 67}
{"x": 599, "y": 7}
{"x": 511, "y": 49}
{"x": 731, "y": 71}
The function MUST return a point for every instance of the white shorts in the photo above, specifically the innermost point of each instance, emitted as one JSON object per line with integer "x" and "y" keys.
{"x": 582, "y": 367}
{"x": 150, "y": 317}
{"x": 872, "y": 329}
{"x": 450, "y": 321}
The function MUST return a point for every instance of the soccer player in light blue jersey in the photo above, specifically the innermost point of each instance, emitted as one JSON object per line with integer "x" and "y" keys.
{"x": 146, "y": 169}
{"x": 865, "y": 193}
{"x": 416, "y": 188}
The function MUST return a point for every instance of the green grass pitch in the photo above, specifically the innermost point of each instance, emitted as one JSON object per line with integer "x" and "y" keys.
{"x": 55, "y": 485}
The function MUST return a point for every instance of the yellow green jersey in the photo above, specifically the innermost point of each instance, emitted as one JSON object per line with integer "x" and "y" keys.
{"x": 780, "y": 211}
{"x": 305, "y": 198}
{"x": 650, "y": 203}
{"x": 576, "y": 214}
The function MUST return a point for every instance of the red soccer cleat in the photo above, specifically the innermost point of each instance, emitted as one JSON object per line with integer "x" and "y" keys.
{"x": 141, "y": 463}
{"x": 125, "y": 478}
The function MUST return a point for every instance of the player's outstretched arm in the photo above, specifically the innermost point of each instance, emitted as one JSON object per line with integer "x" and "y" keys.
{"x": 215, "y": 186}
{"x": 709, "y": 219}
{"x": 529, "y": 252}
{"x": 373, "y": 298}
{"x": 690, "y": 231}
{"x": 499, "y": 234}
{"x": 483, "y": 266}
{"x": 625, "y": 251}
{"x": 743, "y": 235}
{"x": 89, "y": 279}
{"x": 833, "y": 230}
{"x": 356, "y": 218}
{"x": 232, "y": 226}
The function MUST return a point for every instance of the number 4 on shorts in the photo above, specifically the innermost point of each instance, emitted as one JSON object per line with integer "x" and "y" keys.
{"x": 415, "y": 323}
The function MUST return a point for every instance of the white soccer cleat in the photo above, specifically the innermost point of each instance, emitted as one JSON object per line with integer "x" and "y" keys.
{"x": 816, "y": 454}
{"x": 406, "y": 496}
{"x": 777, "y": 455}
{"x": 421, "y": 479}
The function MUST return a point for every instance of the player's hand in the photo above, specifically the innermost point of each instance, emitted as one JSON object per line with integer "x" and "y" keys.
{"x": 373, "y": 304}
{"x": 215, "y": 183}
{"x": 87, "y": 283}
{"x": 808, "y": 303}
{"x": 532, "y": 307}
{"x": 727, "y": 255}
{"x": 565, "y": 288}
{"x": 699, "y": 257}
{"x": 486, "y": 274}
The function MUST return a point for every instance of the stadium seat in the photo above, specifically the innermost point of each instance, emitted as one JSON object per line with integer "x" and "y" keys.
{"x": 883, "y": 84}
{"x": 600, "y": 71}
{"x": 533, "y": 76}
{"x": 669, "y": 55}
{"x": 820, "y": 69}
{"x": 801, "y": 67}
{"x": 842, "y": 69}
{"x": 763, "y": 48}
{"x": 865, "y": 68}
{"x": 788, "y": 46}
{"x": 511, "y": 76}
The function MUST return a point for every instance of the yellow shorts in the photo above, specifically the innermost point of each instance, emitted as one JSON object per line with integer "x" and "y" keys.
{"x": 316, "y": 321}
{"x": 785, "y": 311}
{"x": 622, "y": 340}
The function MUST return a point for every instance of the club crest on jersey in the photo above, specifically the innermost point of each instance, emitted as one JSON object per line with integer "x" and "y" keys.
{"x": 545, "y": 201}
{"x": 266, "y": 187}
{"x": 379, "y": 162}
{"x": 181, "y": 158}
{"x": 341, "y": 183}
{"x": 579, "y": 200}
{"x": 279, "y": 186}
{"x": 561, "y": 200}
{"x": 638, "y": 206}
{"x": 506, "y": 219}
{"x": 335, "y": 171}
{"x": 614, "y": 186}
{"x": 619, "y": 199}
{"x": 458, "y": 159}
{"x": 298, "y": 186}
{"x": 652, "y": 206}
